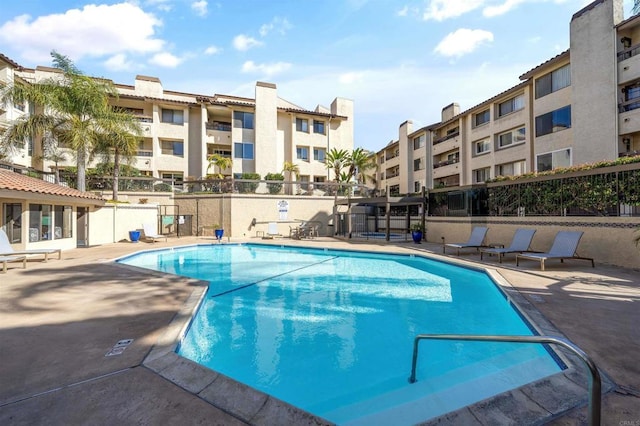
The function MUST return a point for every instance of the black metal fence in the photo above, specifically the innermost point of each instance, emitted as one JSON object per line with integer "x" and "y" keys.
{"x": 610, "y": 191}
{"x": 275, "y": 187}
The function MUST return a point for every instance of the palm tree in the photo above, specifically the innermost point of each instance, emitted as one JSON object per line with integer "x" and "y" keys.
{"x": 120, "y": 140}
{"x": 219, "y": 161}
{"x": 360, "y": 161}
{"x": 290, "y": 169}
{"x": 74, "y": 112}
{"x": 337, "y": 159}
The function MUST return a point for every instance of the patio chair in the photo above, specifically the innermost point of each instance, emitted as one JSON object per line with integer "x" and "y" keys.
{"x": 7, "y": 259}
{"x": 151, "y": 234}
{"x": 564, "y": 246}
{"x": 476, "y": 240}
{"x": 6, "y": 249}
{"x": 520, "y": 243}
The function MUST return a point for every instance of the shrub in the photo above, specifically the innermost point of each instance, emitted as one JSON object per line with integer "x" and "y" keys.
{"x": 274, "y": 188}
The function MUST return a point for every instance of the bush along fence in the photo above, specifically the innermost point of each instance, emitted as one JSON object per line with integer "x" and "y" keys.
{"x": 593, "y": 190}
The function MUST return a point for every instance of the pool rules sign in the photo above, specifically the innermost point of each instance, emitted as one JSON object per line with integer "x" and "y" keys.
{"x": 283, "y": 209}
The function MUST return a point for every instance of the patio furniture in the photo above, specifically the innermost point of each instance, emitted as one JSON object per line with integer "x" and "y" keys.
{"x": 565, "y": 246}
{"x": 7, "y": 259}
{"x": 476, "y": 240}
{"x": 520, "y": 243}
{"x": 6, "y": 249}
{"x": 150, "y": 234}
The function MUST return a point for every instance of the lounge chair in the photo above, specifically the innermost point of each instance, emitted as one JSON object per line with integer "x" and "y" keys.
{"x": 564, "y": 246}
{"x": 150, "y": 234}
{"x": 520, "y": 243}
{"x": 6, "y": 249}
{"x": 7, "y": 259}
{"x": 475, "y": 240}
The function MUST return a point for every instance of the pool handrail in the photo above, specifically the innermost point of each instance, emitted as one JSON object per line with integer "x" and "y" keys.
{"x": 595, "y": 386}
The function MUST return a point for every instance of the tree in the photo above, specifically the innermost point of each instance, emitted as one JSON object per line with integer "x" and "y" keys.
{"x": 360, "y": 161}
{"x": 219, "y": 161}
{"x": 337, "y": 159}
{"x": 120, "y": 140}
{"x": 290, "y": 168}
{"x": 74, "y": 112}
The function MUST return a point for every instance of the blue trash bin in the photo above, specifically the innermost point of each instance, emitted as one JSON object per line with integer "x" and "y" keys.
{"x": 134, "y": 236}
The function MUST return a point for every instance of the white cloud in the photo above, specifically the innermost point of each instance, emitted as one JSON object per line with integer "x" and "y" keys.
{"x": 94, "y": 30}
{"x": 439, "y": 10}
{"x": 403, "y": 12}
{"x": 200, "y": 7}
{"x": 351, "y": 77}
{"x": 212, "y": 50}
{"x": 266, "y": 69}
{"x": 277, "y": 24}
{"x": 242, "y": 42}
{"x": 118, "y": 62}
{"x": 163, "y": 5}
{"x": 501, "y": 9}
{"x": 165, "y": 59}
{"x": 462, "y": 41}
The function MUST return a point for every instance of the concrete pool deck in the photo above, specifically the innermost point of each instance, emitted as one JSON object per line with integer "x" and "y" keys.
{"x": 59, "y": 319}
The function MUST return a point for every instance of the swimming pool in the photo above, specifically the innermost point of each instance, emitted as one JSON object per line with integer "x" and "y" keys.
{"x": 332, "y": 331}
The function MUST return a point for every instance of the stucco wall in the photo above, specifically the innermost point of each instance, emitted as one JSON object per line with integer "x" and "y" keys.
{"x": 608, "y": 240}
{"x": 237, "y": 212}
{"x": 112, "y": 223}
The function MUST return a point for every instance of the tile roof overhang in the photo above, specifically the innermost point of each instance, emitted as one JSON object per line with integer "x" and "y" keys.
{"x": 16, "y": 185}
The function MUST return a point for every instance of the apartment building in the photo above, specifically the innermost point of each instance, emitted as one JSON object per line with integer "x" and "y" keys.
{"x": 22, "y": 154}
{"x": 181, "y": 130}
{"x": 577, "y": 107}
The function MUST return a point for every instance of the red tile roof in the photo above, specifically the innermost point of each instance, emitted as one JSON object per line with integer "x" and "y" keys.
{"x": 17, "y": 182}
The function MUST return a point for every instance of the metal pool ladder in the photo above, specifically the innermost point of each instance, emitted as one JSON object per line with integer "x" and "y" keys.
{"x": 595, "y": 386}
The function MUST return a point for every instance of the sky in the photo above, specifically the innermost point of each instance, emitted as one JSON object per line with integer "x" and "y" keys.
{"x": 397, "y": 60}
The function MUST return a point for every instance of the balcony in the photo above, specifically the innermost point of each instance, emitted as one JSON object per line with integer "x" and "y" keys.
{"x": 144, "y": 118}
{"x": 446, "y": 168}
{"x": 629, "y": 117}
{"x": 144, "y": 153}
{"x": 446, "y": 138}
{"x": 449, "y": 143}
{"x": 629, "y": 64}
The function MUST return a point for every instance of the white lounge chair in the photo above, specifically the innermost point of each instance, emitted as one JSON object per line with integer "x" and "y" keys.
{"x": 565, "y": 246}
{"x": 6, "y": 249}
{"x": 476, "y": 240}
{"x": 521, "y": 242}
{"x": 6, "y": 259}
{"x": 151, "y": 234}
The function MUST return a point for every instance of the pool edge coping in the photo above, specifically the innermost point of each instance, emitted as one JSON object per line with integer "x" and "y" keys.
{"x": 540, "y": 401}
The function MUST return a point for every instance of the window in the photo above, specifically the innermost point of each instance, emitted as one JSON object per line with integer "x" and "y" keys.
{"x": 394, "y": 190}
{"x": 417, "y": 186}
{"x": 512, "y": 137}
{"x": 12, "y": 225}
{"x": 453, "y": 157}
{"x": 481, "y": 147}
{"x": 418, "y": 164}
{"x": 512, "y": 105}
{"x": 511, "y": 169}
{"x": 553, "y": 160}
{"x": 481, "y": 175}
{"x": 242, "y": 120}
{"x": 173, "y": 116}
{"x": 318, "y": 127}
{"x": 302, "y": 153}
{"x": 419, "y": 141}
{"x": 319, "y": 179}
{"x": 304, "y": 178}
{"x": 62, "y": 217}
{"x": 175, "y": 177}
{"x": 481, "y": 118}
{"x": 630, "y": 93}
{"x": 553, "y": 121}
{"x": 319, "y": 154}
{"x": 173, "y": 148}
{"x": 243, "y": 150}
{"x": 553, "y": 81}
{"x": 302, "y": 125}
{"x": 39, "y": 222}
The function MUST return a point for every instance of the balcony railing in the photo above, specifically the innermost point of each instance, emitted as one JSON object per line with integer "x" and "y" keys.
{"x": 446, "y": 163}
{"x": 144, "y": 119}
{"x": 218, "y": 125}
{"x": 446, "y": 138}
{"x": 628, "y": 53}
{"x": 629, "y": 105}
{"x": 144, "y": 153}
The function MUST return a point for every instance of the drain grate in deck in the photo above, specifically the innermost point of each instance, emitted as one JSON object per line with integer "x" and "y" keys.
{"x": 119, "y": 347}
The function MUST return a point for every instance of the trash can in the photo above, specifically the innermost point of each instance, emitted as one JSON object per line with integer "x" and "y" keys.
{"x": 134, "y": 236}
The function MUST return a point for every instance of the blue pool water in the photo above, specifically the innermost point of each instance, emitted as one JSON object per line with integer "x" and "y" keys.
{"x": 332, "y": 331}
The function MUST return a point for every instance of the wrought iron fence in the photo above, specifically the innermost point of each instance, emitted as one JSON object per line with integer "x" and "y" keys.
{"x": 275, "y": 187}
{"x": 610, "y": 191}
